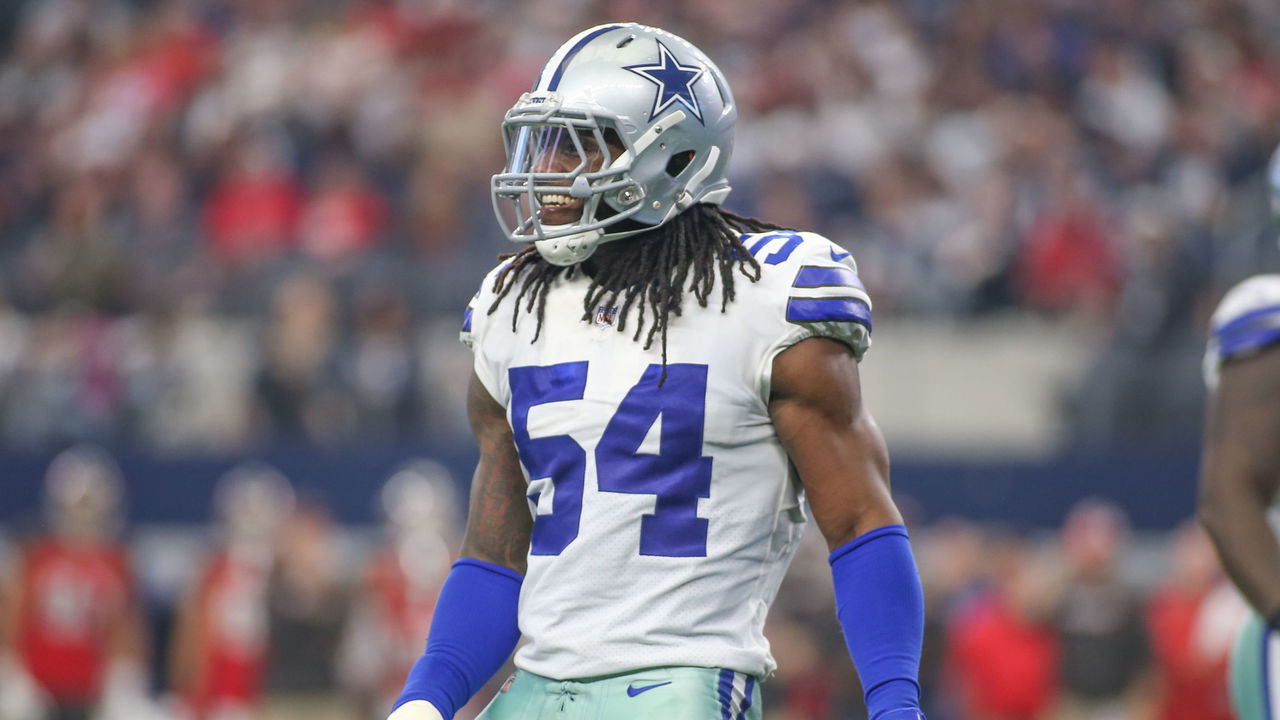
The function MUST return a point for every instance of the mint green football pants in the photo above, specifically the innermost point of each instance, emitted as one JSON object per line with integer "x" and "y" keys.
{"x": 670, "y": 693}
{"x": 1255, "y": 671}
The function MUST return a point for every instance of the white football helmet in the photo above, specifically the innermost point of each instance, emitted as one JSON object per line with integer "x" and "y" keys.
{"x": 626, "y": 126}
{"x": 84, "y": 493}
{"x": 252, "y": 501}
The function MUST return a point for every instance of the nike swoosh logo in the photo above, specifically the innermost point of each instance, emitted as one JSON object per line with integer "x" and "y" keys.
{"x": 634, "y": 691}
{"x": 840, "y": 256}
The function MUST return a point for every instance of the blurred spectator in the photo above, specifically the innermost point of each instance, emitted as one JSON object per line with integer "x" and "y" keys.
{"x": 1003, "y": 655}
{"x": 380, "y": 367}
{"x": 308, "y": 605}
{"x": 950, "y": 555}
{"x": 252, "y": 213}
{"x": 298, "y": 394}
{"x": 219, "y": 651}
{"x": 73, "y": 643}
{"x": 1105, "y": 655}
{"x": 343, "y": 217}
{"x": 389, "y": 626}
{"x": 976, "y": 158}
{"x": 1192, "y": 617}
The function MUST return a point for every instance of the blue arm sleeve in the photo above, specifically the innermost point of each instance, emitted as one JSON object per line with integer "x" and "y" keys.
{"x": 881, "y": 609}
{"x": 473, "y": 631}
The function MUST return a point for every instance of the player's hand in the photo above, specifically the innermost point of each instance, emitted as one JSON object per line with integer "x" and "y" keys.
{"x": 416, "y": 710}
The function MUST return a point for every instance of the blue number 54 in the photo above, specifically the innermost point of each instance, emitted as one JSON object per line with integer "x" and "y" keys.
{"x": 678, "y": 474}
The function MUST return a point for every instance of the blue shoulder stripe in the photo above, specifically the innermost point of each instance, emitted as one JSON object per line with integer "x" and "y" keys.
{"x": 1247, "y": 341}
{"x": 842, "y": 309}
{"x": 1249, "y": 331}
{"x": 815, "y": 276}
{"x": 466, "y": 321}
{"x": 1245, "y": 320}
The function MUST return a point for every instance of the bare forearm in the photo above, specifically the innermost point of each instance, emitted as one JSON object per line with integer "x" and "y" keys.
{"x": 499, "y": 523}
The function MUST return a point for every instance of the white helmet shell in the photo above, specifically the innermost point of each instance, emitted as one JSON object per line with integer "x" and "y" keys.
{"x": 650, "y": 119}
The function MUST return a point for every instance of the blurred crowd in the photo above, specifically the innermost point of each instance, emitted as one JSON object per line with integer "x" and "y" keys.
{"x": 281, "y": 616}
{"x": 230, "y": 221}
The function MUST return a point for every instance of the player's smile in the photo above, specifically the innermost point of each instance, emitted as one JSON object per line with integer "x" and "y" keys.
{"x": 558, "y": 208}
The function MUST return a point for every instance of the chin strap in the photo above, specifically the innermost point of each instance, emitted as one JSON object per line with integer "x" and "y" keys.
{"x": 570, "y": 249}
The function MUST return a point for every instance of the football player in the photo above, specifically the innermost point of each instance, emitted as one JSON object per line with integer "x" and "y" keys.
{"x": 1240, "y": 472}
{"x": 663, "y": 393}
{"x": 219, "y": 649}
{"x": 73, "y": 629}
{"x": 401, "y": 581}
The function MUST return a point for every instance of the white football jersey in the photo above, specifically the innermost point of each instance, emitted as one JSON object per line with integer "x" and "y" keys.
{"x": 1246, "y": 321}
{"x": 665, "y": 515}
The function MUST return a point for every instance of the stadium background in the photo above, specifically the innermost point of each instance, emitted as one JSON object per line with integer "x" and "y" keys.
{"x": 245, "y": 230}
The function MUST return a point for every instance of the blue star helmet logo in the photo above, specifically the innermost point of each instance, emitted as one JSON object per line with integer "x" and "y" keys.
{"x": 674, "y": 81}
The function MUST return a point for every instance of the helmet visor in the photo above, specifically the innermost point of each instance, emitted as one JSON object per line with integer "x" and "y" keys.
{"x": 558, "y": 170}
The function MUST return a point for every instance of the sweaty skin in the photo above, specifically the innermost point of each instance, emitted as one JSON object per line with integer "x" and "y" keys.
{"x": 816, "y": 406}
{"x": 1240, "y": 473}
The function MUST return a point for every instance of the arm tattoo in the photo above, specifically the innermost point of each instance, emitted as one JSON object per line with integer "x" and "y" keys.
{"x": 499, "y": 522}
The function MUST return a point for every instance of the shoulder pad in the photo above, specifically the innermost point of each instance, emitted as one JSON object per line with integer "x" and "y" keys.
{"x": 819, "y": 280}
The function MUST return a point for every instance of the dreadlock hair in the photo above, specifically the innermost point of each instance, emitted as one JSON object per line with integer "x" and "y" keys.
{"x": 650, "y": 272}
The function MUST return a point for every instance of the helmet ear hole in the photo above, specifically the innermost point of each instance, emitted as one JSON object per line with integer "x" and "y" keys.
{"x": 679, "y": 162}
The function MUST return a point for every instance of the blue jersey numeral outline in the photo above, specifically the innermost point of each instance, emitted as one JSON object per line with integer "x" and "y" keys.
{"x": 779, "y": 256}
{"x": 678, "y": 475}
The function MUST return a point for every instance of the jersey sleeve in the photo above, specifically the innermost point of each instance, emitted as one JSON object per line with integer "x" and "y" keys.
{"x": 1246, "y": 322}
{"x": 813, "y": 290}
{"x": 818, "y": 287}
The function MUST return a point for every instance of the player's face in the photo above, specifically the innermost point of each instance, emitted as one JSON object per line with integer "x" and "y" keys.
{"x": 556, "y": 152}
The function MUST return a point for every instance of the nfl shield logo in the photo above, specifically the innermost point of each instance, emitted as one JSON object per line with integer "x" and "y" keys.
{"x": 605, "y": 316}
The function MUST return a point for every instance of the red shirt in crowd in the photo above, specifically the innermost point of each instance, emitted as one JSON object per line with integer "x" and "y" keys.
{"x": 252, "y": 216}
{"x": 72, "y": 598}
{"x": 403, "y": 614}
{"x": 1004, "y": 666}
{"x": 1193, "y": 683}
{"x": 230, "y": 635}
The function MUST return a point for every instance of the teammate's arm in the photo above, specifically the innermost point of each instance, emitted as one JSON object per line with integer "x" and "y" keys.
{"x": 473, "y": 630}
{"x": 841, "y": 458}
{"x": 1240, "y": 473}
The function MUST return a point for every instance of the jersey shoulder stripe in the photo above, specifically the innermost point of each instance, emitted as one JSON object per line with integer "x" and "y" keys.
{"x": 1247, "y": 319}
{"x": 812, "y": 284}
{"x": 1249, "y": 331}
{"x": 816, "y": 276}
{"x": 833, "y": 309}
